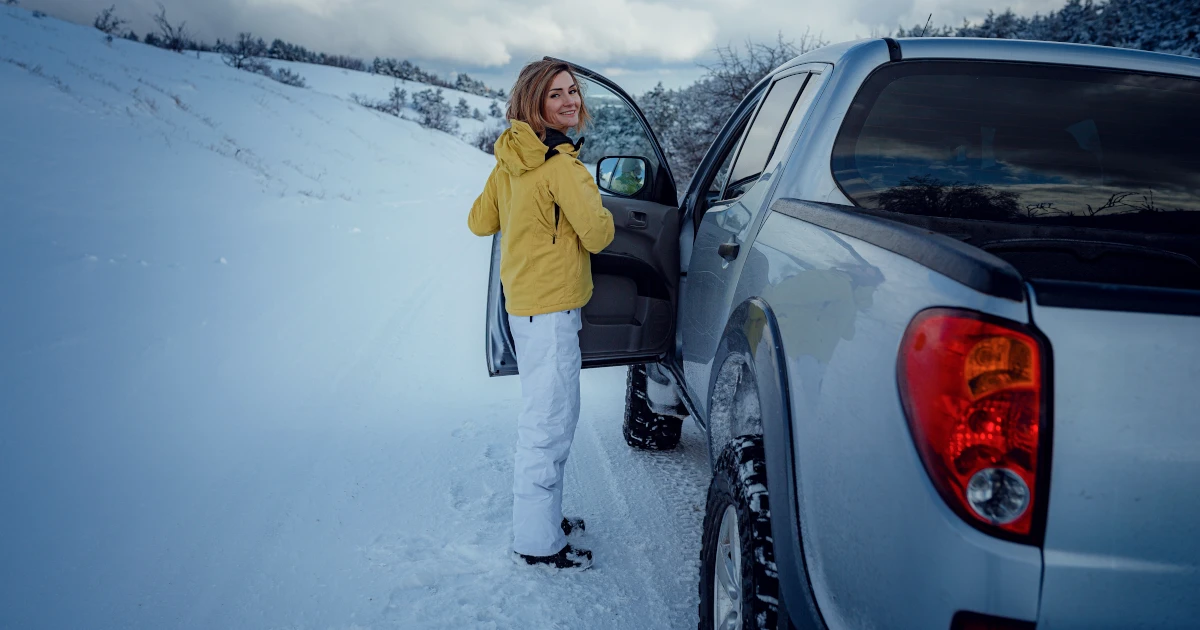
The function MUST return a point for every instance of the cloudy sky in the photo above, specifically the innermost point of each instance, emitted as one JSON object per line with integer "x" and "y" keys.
{"x": 636, "y": 43}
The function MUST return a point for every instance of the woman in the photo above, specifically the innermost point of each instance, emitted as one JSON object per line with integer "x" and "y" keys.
{"x": 546, "y": 206}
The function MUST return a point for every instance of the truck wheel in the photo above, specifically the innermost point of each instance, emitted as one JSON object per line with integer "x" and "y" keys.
{"x": 739, "y": 585}
{"x": 643, "y": 428}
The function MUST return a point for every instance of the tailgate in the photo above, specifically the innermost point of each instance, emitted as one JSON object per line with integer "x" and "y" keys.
{"x": 1122, "y": 538}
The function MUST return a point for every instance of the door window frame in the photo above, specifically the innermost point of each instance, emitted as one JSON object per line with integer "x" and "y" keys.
{"x": 733, "y": 137}
{"x": 696, "y": 203}
{"x": 778, "y": 132}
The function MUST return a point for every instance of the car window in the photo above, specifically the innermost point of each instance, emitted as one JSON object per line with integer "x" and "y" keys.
{"x": 763, "y": 134}
{"x": 1025, "y": 143}
{"x": 615, "y": 129}
{"x": 795, "y": 118}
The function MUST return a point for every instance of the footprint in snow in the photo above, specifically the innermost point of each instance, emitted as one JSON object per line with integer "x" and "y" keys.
{"x": 466, "y": 431}
{"x": 499, "y": 457}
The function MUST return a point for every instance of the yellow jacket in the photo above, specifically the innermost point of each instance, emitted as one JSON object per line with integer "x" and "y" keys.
{"x": 544, "y": 261}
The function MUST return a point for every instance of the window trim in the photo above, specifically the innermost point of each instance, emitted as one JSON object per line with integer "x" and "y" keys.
{"x": 791, "y": 72}
{"x": 699, "y": 205}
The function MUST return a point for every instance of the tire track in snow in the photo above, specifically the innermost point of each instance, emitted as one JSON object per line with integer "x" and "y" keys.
{"x": 655, "y": 528}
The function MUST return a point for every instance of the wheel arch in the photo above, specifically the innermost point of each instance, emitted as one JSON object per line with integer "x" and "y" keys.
{"x": 751, "y": 350}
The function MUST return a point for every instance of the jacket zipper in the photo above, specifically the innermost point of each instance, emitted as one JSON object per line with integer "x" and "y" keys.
{"x": 554, "y": 237}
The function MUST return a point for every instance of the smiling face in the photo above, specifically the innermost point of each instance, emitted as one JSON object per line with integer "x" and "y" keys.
{"x": 562, "y": 103}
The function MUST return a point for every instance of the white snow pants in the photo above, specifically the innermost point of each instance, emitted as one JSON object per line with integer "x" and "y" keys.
{"x": 549, "y": 361}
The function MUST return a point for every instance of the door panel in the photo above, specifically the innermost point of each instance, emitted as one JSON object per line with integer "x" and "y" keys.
{"x": 629, "y": 318}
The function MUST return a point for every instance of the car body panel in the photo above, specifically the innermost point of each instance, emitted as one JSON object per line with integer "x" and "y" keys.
{"x": 881, "y": 547}
{"x": 1121, "y": 546}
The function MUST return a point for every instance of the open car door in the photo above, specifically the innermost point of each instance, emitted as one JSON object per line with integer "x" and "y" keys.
{"x": 631, "y": 316}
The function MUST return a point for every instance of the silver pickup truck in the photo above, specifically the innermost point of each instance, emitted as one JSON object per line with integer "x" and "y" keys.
{"x": 936, "y": 305}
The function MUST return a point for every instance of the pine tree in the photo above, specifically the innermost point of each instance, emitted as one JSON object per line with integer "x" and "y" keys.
{"x": 396, "y": 101}
{"x": 434, "y": 110}
{"x": 1170, "y": 26}
{"x": 462, "y": 110}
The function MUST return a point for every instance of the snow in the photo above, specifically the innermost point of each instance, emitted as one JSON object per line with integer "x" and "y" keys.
{"x": 243, "y": 378}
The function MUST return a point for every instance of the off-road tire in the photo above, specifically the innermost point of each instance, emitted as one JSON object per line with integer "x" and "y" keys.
{"x": 644, "y": 429}
{"x": 740, "y": 480}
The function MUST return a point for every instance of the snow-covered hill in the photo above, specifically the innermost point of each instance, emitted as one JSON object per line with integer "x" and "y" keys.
{"x": 243, "y": 383}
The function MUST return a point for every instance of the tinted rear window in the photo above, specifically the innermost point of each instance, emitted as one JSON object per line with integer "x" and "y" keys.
{"x": 1025, "y": 143}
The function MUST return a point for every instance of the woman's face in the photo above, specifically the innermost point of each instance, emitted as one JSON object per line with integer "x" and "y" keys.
{"x": 561, "y": 107}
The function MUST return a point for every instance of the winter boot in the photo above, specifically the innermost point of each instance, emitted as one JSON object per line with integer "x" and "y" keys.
{"x": 573, "y": 526}
{"x": 567, "y": 559}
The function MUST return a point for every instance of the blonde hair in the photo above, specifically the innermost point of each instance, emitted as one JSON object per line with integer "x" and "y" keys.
{"x": 528, "y": 95}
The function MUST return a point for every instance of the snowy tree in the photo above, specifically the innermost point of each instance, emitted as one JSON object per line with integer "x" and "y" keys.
{"x": 477, "y": 115}
{"x": 434, "y": 110}
{"x": 397, "y": 98}
{"x": 661, "y": 107}
{"x": 1171, "y": 26}
{"x": 462, "y": 110}
{"x": 285, "y": 51}
{"x": 614, "y": 131}
{"x": 485, "y": 140}
{"x": 108, "y": 22}
{"x": 494, "y": 111}
{"x": 464, "y": 83}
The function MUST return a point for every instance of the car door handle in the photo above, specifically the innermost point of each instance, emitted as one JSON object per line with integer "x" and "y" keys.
{"x": 729, "y": 251}
{"x": 637, "y": 220}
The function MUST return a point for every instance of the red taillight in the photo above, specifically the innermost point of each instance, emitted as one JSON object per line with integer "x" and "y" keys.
{"x": 973, "y": 391}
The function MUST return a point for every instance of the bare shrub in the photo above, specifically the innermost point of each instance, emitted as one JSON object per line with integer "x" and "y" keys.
{"x": 242, "y": 51}
{"x": 171, "y": 36}
{"x": 485, "y": 139}
{"x": 287, "y": 77}
{"x": 108, "y": 22}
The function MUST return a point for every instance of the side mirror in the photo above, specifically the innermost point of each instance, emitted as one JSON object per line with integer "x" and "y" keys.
{"x": 625, "y": 176}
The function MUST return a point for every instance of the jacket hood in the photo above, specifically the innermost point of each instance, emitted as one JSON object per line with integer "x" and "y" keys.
{"x": 520, "y": 150}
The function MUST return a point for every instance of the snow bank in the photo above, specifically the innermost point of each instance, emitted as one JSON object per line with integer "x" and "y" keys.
{"x": 243, "y": 379}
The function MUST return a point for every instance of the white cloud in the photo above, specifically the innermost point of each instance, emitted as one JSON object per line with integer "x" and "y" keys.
{"x": 634, "y": 35}
{"x": 496, "y": 32}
